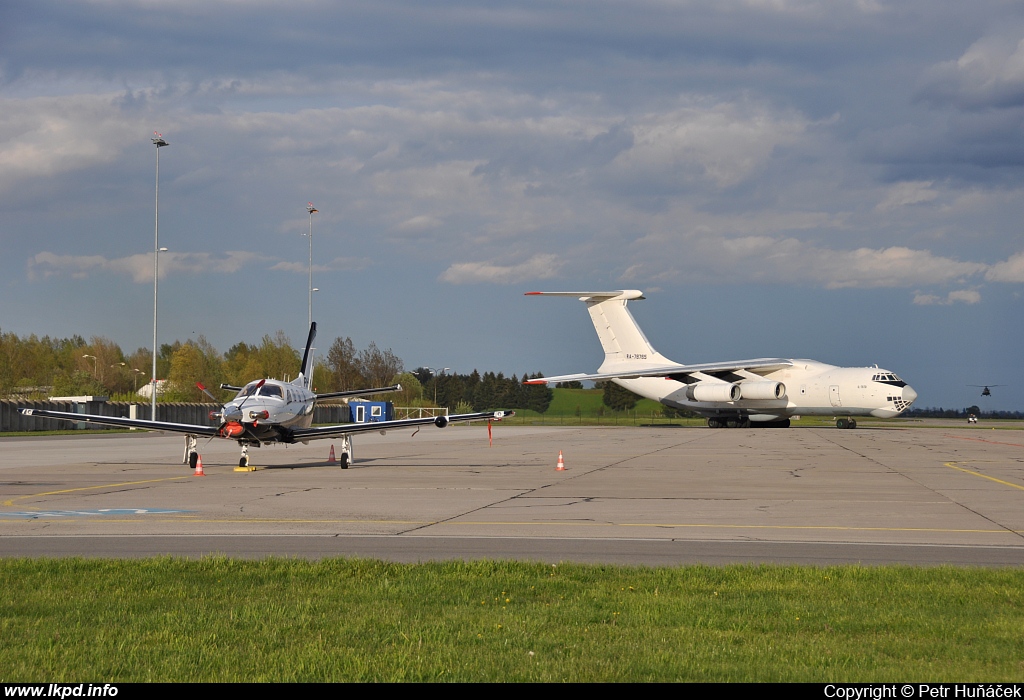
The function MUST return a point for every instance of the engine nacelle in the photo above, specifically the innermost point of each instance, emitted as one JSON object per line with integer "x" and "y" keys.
{"x": 713, "y": 391}
{"x": 441, "y": 421}
{"x": 762, "y": 390}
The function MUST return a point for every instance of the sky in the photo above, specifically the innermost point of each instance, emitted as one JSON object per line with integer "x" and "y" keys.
{"x": 840, "y": 180}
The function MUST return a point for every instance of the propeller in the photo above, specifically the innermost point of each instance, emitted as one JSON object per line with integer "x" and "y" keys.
{"x": 207, "y": 392}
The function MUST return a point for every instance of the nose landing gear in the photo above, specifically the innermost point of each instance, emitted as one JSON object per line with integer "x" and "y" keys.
{"x": 243, "y": 461}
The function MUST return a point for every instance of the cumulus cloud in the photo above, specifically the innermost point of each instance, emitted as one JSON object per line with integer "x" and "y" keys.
{"x": 896, "y": 266}
{"x": 904, "y": 194}
{"x": 45, "y": 136}
{"x": 964, "y": 296}
{"x": 422, "y": 222}
{"x": 537, "y": 267}
{"x": 774, "y": 259}
{"x": 138, "y": 267}
{"x": 724, "y": 142}
{"x": 989, "y": 74}
{"x": 338, "y": 264}
{"x": 1010, "y": 270}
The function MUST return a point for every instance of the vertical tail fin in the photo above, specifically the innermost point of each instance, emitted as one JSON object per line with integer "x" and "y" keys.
{"x": 623, "y": 341}
{"x": 306, "y": 372}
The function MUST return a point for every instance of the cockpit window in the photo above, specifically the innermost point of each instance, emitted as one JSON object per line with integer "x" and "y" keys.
{"x": 247, "y": 390}
{"x": 265, "y": 390}
{"x": 271, "y": 390}
{"x": 888, "y": 378}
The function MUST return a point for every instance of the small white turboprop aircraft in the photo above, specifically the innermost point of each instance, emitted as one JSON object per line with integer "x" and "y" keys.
{"x": 271, "y": 411}
{"x": 763, "y": 392}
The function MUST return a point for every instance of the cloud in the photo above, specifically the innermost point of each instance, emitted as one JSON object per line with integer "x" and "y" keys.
{"x": 422, "y": 222}
{"x": 138, "y": 267}
{"x": 964, "y": 296}
{"x": 904, "y": 194}
{"x": 896, "y": 266}
{"x": 537, "y": 267}
{"x": 338, "y": 264}
{"x": 1010, "y": 270}
{"x": 725, "y": 142}
{"x": 989, "y": 74}
{"x": 45, "y": 136}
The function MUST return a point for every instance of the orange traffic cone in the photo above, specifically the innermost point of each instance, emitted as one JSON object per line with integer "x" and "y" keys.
{"x": 331, "y": 459}
{"x": 199, "y": 467}
{"x": 560, "y": 467}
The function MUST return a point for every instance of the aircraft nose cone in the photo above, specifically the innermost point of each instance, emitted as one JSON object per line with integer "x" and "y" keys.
{"x": 909, "y": 395}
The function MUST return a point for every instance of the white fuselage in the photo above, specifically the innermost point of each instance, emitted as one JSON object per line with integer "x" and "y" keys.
{"x": 811, "y": 388}
{"x": 274, "y": 403}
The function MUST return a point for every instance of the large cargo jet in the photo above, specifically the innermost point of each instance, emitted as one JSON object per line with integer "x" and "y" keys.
{"x": 764, "y": 392}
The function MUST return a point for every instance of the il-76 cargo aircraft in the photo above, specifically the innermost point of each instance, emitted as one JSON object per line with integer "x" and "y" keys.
{"x": 763, "y": 393}
{"x": 271, "y": 411}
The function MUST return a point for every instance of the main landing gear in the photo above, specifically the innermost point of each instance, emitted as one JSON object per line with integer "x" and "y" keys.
{"x": 846, "y": 423}
{"x": 728, "y": 422}
{"x": 191, "y": 456}
{"x": 737, "y": 422}
{"x": 346, "y": 452}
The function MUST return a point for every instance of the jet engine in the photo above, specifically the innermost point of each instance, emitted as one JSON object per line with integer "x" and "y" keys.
{"x": 713, "y": 391}
{"x": 441, "y": 421}
{"x": 762, "y": 390}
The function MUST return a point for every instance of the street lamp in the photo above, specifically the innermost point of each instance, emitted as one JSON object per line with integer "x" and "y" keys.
{"x": 159, "y": 142}
{"x": 95, "y": 362}
{"x": 434, "y": 373}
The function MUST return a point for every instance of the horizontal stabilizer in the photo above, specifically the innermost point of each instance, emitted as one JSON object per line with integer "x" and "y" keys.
{"x": 596, "y": 296}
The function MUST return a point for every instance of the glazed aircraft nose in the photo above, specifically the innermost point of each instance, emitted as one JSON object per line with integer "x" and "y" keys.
{"x": 909, "y": 395}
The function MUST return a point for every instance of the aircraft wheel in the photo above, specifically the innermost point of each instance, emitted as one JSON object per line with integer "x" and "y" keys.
{"x": 193, "y": 459}
{"x": 841, "y": 423}
{"x": 713, "y": 423}
{"x": 344, "y": 460}
{"x": 243, "y": 462}
{"x": 853, "y": 424}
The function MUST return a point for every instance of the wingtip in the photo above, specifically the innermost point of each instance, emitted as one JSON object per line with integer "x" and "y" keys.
{"x": 532, "y": 294}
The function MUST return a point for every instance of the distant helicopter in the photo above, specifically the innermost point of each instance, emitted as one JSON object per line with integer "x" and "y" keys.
{"x": 985, "y": 388}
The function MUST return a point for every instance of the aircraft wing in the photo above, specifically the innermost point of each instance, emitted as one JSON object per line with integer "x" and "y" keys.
{"x": 330, "y": 431}
{"x": 358, "y": 392}
{"x": 764, "y": 364}
{"x": 206, "y": 430}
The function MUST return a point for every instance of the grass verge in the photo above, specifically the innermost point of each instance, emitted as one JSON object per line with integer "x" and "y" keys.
{"x": 218, "y": 619}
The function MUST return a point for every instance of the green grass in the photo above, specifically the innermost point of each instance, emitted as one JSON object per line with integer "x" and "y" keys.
{"x": 359, "y": 620}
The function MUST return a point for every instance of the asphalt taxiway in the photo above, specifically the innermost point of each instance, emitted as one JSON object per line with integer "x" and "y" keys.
{"x": 628, "y": 495}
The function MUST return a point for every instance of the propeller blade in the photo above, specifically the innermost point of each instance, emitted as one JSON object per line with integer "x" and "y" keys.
{"x": 204, "y": 390}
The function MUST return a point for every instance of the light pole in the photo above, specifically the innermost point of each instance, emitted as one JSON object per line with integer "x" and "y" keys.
{"x": 120, "y": 367}
{"x": 434, "y": 373}
{"x": 159, "y": 142}
{"x": 95, "y": 364}
{"x": 312, "y": 210}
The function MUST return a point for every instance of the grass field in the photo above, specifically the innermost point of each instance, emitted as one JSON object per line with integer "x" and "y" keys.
{"x": 359, "y": 620}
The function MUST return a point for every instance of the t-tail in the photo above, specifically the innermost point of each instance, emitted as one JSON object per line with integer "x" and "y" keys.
{"x": 306, "y": 373}
{"x": 625, "y": 345}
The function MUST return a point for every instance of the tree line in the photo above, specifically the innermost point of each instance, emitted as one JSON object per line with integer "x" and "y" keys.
{"x": 34, "y": 368}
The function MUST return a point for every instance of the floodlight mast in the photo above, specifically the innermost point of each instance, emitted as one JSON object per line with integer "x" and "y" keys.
{"x": 312, "y": 210}
{"x": 159, "y": 142}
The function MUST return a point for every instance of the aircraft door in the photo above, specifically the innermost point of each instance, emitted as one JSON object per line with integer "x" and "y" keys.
{"x": 360, "y": 414}
{"x": 833, "y": 395}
